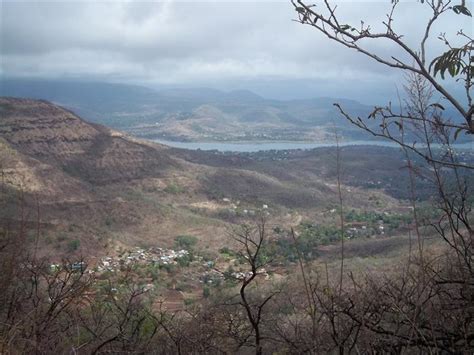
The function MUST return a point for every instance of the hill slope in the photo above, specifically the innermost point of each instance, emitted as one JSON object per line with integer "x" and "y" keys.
{"x": 102, "y": 188}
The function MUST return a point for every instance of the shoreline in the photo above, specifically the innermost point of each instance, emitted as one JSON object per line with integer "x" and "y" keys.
{"x": 253, "y": 146}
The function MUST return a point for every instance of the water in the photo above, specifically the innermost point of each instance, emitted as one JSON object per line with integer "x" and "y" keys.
{"x": 262, "y": 146}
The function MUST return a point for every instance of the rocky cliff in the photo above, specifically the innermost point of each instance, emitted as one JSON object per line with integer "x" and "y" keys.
{"x": 56, "y": 136}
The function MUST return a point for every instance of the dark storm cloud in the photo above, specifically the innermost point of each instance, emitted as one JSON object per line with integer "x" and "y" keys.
{"x": 185, "y": 42}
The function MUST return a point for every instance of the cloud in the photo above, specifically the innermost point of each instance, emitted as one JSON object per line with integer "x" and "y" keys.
{"x": 186, "y": 42}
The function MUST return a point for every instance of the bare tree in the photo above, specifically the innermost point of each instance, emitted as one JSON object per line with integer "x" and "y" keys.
{"x": 424, "y": 306}
{"x": 252, "y": 241}
{"x": 457, "y": 61}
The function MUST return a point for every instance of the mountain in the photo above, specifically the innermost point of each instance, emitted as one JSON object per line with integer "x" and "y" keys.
{"x": 100, "y": 97}
{"x": 92, "y": 186}
{"x": 195, "y": 113}
{"x": 52, "y": 134}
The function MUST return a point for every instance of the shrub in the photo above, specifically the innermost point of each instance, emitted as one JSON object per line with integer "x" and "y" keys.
{"x": 73, "y": 245}
{"x": 185, "y": 242}
{"x": 184, "y": 261}
{"x": 174, "y": 189}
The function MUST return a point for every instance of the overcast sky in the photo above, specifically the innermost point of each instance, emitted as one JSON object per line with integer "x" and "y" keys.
{"x": 245, "y": 44}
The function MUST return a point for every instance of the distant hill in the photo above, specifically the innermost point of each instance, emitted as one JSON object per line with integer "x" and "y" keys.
{"x": 193, "y": 114}
{"x": 199, "y": 114}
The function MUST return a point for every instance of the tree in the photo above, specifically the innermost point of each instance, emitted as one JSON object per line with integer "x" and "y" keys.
{"x": 457, "y": 61}
{"x": 185, "y": 241}
{"x": 252, "y": 241}
{"x": 428, "y": 305}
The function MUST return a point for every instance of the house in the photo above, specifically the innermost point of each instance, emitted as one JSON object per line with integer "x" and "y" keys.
{"x": 78, "y": 266}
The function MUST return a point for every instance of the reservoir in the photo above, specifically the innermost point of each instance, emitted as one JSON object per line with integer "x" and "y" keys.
{"x": 262, "y": 146}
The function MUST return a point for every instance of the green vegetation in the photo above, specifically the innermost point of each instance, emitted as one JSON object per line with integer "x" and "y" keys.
{"x": 188, "y": 301}
{"x": 427, "y": 212}
{"x": 174, "y": 189}
{"x": 184, "y": 261}
{"x": 108, "y": 221}
{"x": 169, "y": 268}
{"x": 73, "y": 245}
{"x": 310, "y": 236}
{"x": 316, "y": 234}
{"x": 227, "y": 253}
{"x": 392, "y": 220}
{"x": 186, "y": 242}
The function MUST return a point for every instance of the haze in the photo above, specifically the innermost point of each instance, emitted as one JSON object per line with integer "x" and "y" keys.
{"x": 224, "y": 45}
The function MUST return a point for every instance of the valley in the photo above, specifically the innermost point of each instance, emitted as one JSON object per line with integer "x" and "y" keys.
{"x": 133, "y": 214}
{"x": 196, "y": 114}
{"x": 243, "y": 177}
{"x": 133, "y": 191}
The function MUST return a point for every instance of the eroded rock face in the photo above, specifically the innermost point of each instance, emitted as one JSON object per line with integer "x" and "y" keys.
{"x": 39, "y": 129}
{"x": 91, "y": 152}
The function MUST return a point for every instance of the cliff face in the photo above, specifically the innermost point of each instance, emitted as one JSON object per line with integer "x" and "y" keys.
{"x": 93, "y": 153}
{"x": 41, "y": 129}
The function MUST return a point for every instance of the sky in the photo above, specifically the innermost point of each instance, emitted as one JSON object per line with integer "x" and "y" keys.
{"x": 221, "y": 44}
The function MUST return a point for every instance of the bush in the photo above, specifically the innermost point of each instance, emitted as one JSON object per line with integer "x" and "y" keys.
{"x": 73, "y": 245}
{"x": 108, "y": 221}
{"x": 169, "y": 268}
{"x": 174, "y": 189}
{"x": 226, "y": 252}
{"x": 184, "y": 261}
{"x": 188, "y": 302}
{"x": 185, "y": 242}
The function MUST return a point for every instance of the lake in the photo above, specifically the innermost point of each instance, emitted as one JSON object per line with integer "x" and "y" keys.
{"x": 259, "y": 146}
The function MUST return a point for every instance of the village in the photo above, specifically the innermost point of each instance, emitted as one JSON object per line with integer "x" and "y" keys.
{"x": 153, "y": 256}
{"x": 185, "y": 273}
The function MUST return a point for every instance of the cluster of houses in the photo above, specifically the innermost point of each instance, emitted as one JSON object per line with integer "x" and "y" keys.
{"x": 265, "y": 155}
{"x": 154, "y": 255}
{"x": 234, "y": 208}
{"x": 212, "y": 276}
{"x": 240, "y": 275}
{"x": 360, "y": 229}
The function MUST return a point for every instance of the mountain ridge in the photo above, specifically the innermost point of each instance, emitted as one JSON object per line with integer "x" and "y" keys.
{"x": 169, "y": 113}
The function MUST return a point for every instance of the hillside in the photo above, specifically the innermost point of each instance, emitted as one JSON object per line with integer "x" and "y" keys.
{"x": 104, "y": 188}
{"x": 92, "y": 153}
{"x": 79, "y": 200}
